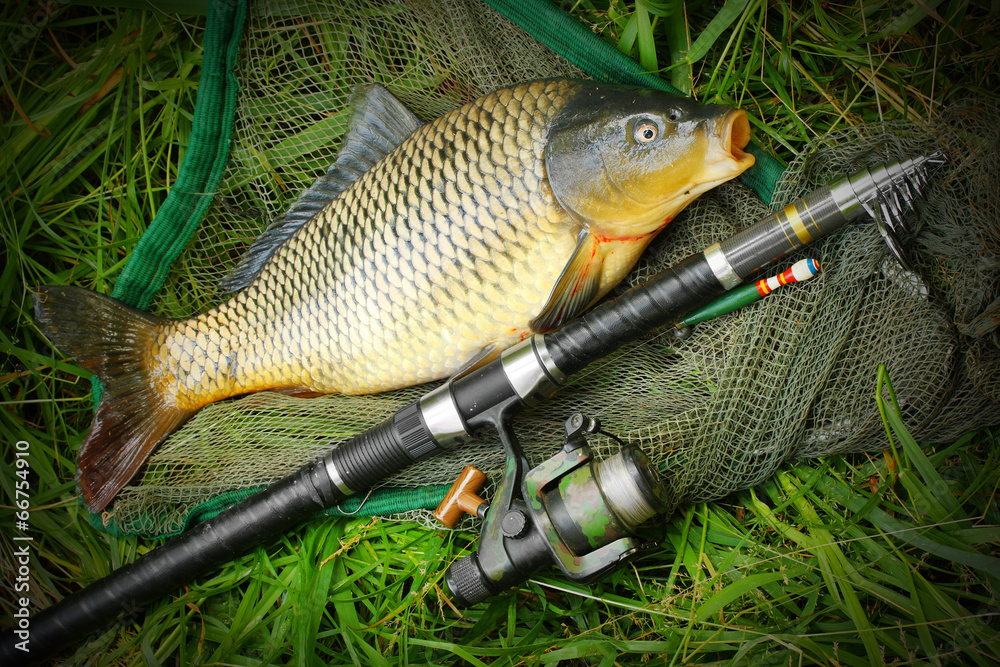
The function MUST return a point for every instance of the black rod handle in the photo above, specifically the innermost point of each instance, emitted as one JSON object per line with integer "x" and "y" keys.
{"x": 357, "y": 464}
{"x": 663, "y": 299}
{"x": 260, "y": 518}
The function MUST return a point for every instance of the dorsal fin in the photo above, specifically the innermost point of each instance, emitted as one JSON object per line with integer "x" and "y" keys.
{"x": 379, "y": 124}
{"x": 576, "y": 288}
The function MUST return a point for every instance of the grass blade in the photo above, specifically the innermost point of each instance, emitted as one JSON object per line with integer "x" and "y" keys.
{"x": 713, "y": 31}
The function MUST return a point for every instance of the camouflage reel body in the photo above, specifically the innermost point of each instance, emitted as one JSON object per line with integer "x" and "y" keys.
{"x": 571, "y": 511}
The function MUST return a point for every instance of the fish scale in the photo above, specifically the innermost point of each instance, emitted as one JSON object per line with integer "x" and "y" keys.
{"x": 424, "y": 250}
{"x": 371, "y": 342}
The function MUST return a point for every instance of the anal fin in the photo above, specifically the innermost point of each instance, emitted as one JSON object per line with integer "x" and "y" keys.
{"x": 296, "y": 392}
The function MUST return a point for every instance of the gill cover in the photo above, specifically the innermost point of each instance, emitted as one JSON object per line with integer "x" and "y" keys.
{"x": 622, "y": 161}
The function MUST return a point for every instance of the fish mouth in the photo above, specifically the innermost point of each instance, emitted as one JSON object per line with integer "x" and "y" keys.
{"x": 734, "y": 136}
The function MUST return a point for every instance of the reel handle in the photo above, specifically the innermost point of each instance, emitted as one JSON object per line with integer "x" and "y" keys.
{"x": 463, "y": 497}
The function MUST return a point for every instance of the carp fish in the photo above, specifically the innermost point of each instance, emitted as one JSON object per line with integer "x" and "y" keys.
{"x": 425, "y": 250}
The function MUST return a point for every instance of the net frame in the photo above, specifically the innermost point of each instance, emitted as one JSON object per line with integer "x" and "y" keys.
{"x": 790, "y": 377}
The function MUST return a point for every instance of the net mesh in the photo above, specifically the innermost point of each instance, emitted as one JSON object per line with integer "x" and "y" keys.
{"x": 788, "y": 377}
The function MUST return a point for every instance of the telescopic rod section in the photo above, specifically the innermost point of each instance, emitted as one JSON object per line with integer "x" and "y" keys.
{"x": 447, "y": 416}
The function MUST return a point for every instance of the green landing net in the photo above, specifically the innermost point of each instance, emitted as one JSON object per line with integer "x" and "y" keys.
{"x": 791, "y": 376}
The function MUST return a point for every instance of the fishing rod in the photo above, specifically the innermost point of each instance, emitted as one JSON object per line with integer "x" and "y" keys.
{"x": 514, "y": 543}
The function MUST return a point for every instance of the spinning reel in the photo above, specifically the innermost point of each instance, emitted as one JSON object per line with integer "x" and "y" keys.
{"x": 571, "y": 511}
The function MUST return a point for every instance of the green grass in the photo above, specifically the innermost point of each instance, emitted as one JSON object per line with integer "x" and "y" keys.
{"x": 803, "y": 69}
{"x": 847, "y": 561}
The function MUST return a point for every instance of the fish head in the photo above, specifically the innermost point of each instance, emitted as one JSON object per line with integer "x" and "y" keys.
{"x": 625, "y": 161}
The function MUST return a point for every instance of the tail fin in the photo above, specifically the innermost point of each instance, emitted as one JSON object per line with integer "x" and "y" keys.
{"x": 112, "y": 341}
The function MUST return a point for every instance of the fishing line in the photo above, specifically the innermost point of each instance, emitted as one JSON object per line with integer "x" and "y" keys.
{"x": 621, "y": 490}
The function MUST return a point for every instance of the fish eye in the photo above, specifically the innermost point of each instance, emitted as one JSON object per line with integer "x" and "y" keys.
{"x": 645, "y": 131}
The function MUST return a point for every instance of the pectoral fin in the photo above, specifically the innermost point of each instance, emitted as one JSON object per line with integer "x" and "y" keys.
{"x": 576, "y": 288}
